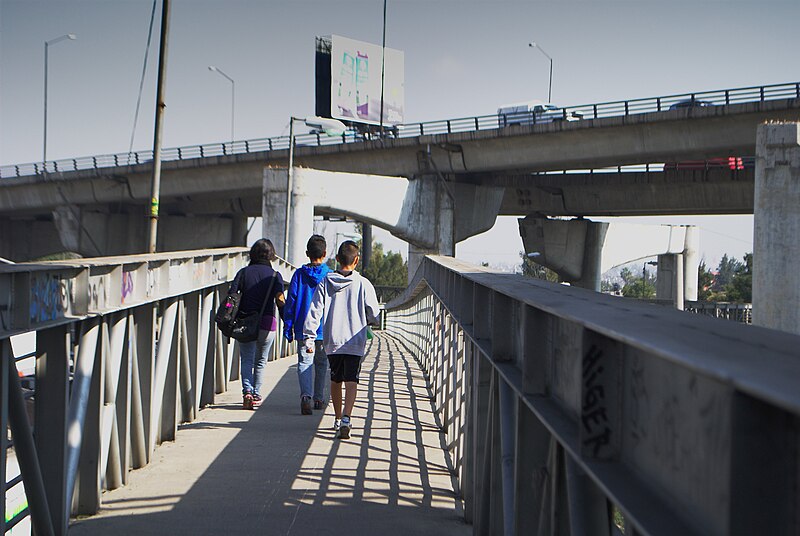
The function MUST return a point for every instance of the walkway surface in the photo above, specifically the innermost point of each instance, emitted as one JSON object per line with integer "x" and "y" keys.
{"x": 274, "y": 471}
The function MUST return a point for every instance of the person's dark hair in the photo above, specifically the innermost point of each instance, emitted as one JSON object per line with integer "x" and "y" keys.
{"x": 262, "y": 252}
{"x": 348, "y": 251}
{"x": 316, "y": 248}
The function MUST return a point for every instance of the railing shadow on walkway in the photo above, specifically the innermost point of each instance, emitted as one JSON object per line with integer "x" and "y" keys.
{"x": 277, "y": 472}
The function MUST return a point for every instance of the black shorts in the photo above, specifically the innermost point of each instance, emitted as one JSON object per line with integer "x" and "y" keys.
{"x": 344, "y": 367}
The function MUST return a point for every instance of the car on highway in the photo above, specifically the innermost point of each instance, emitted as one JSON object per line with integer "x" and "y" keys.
{"x": 690, "y": 103}
{"x": 535, "y": 112}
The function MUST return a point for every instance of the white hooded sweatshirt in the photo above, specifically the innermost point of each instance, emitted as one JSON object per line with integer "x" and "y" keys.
{"x": 347, "y": 303}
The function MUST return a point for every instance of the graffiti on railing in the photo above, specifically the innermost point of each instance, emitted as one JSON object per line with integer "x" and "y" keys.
{"x": 127, "y": 286}
{"x": 49, "y": 297}
{"x": 98, "y": 294}
{"x": 594, "y": 416}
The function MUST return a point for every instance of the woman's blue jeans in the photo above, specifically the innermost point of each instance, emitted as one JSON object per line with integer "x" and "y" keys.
{"x": 253, "y": 358}
{"x": 312, "y": 372}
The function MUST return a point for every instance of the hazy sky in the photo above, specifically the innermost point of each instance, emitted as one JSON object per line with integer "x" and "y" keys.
{"x": 462, "y": 58}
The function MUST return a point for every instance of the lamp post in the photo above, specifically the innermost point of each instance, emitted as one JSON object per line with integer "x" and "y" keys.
{"x": 550, "y": 88}
{"x": 349, "y": 236}
{"x": 644, "y": 275}
{"x": 233, "y": 97}
{"x": 70, "y": 37}
{"x": 332, "y": 127}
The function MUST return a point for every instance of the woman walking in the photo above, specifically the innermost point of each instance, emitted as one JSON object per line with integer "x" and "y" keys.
{"x": 259, "y": 283}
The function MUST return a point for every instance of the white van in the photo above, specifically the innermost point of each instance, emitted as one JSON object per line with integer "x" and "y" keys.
{"x": 534, "y": 112}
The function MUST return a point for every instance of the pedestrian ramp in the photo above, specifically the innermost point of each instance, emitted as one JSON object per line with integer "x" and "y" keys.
{"x": 274, "y": 471}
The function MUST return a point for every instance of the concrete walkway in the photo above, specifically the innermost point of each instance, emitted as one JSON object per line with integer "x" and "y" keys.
{"x": 274, "y": 471}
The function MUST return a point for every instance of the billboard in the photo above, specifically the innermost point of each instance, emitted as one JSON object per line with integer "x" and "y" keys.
{"x": 355, "y": 82}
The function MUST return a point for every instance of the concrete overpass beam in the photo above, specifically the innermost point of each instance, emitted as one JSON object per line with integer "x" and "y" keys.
{"x": 571, "y": 248}
{"x": 776, "y": 248}
{"x": 427, "y": 212}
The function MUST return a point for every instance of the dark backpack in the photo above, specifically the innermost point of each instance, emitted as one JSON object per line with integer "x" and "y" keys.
{"x": 229, "y": 309}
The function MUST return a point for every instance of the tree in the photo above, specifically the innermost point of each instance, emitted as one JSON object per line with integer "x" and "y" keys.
{"x": 705, "y": 280}
{"x": 638, "y": 287}
{"x": 740, "y": 288}
{"x": 728, "y": 267}
{"x": 536, "y": 271}
{"x": 386, "y": 269}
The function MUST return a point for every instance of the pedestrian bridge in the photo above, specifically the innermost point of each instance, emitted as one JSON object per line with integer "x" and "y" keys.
{"x": 490, "y": 404}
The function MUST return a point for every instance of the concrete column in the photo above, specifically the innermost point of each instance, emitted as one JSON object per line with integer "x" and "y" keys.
{"x": 301, "y": 218}
{"x": 68, "y": 227}
{"x": 776, "y": 246}
{"x": 273, "y": 208}
{"x": 366, "y": 245}
{"x": 239, "y": 230}
{"x": 670, "y": 280}
{"x": 592, "y": 256}
{"x": 442, "y": 222}
{"x": 691, "y": 262}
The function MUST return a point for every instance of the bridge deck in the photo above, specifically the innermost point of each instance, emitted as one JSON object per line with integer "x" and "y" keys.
{"x": 274, "y": 471}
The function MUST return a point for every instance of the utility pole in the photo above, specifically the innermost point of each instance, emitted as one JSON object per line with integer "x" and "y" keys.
{"x": 155, "y": 184}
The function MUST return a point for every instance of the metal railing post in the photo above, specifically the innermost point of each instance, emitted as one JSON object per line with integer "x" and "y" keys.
{"x": 25, "y": 449}
{"x": 5, "y": 356}
{"x": 52, "y": 401}
{"x": 78, "y": 401}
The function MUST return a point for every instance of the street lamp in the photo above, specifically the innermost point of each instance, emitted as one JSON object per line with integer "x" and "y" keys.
{"x": 550, "y": 88}
{"x": 331, "y": 127}
{"x": 349, "y": 236}
{"x": 70, "y": 37}
{"x": 644, "y": 275}
{"x": 233, "y": 96}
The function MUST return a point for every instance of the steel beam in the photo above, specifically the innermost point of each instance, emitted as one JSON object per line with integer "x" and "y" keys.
{"x": 52, "y": 401}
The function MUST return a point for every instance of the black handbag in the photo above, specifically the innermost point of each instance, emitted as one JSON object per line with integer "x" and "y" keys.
{"x": 245, "y": 325}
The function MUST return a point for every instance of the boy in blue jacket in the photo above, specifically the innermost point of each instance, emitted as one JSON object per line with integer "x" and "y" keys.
{"x": 298, "y": 300}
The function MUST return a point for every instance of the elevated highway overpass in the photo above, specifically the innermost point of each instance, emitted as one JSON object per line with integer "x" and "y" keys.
{"x": 95, "y": 205}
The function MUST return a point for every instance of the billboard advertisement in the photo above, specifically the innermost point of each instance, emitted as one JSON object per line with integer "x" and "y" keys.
{"x": 356, "y": 82}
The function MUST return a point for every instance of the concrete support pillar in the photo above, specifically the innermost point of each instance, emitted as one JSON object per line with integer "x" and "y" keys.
{"x": 776, "y": 247}
{"x": 691, "y": 262}
{"x": 239, "y": 230}
{"x": 442, "y": 223}
{"x": 670, "y": 280}
{"x": 571, "y": 248}
{"x": 301, "y": 215}
{"x": 592, "y": 256}
{"x": 366, "y": 245}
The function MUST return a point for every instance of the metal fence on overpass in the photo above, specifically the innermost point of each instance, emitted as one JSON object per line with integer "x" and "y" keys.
{"x": 125, "y": 349}
{"x": 567, "y": 410}
{"x": 445, "y": 126}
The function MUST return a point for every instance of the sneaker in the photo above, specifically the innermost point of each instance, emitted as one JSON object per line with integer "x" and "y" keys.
{"x": 344, "y": 428}
{"x": 305, "y": 405}
{"x": 247, "y": 401}
{"x": 256, "y": 401}
{"x": 336, "y": 424}
{"x": 319, "y": 404}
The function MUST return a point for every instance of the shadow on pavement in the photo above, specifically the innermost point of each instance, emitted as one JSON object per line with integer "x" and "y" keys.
{"x": 283, "y": 473}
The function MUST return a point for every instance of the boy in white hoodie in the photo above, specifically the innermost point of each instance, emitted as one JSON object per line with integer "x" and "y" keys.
{"x": 347, "y": 303}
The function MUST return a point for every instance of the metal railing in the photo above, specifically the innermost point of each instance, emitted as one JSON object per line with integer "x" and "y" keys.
{"x": 125, "y": 349}
{"x": 411, "y": 130}
{"x": 738, "y": 312}
{"x": 566, "y": 411}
